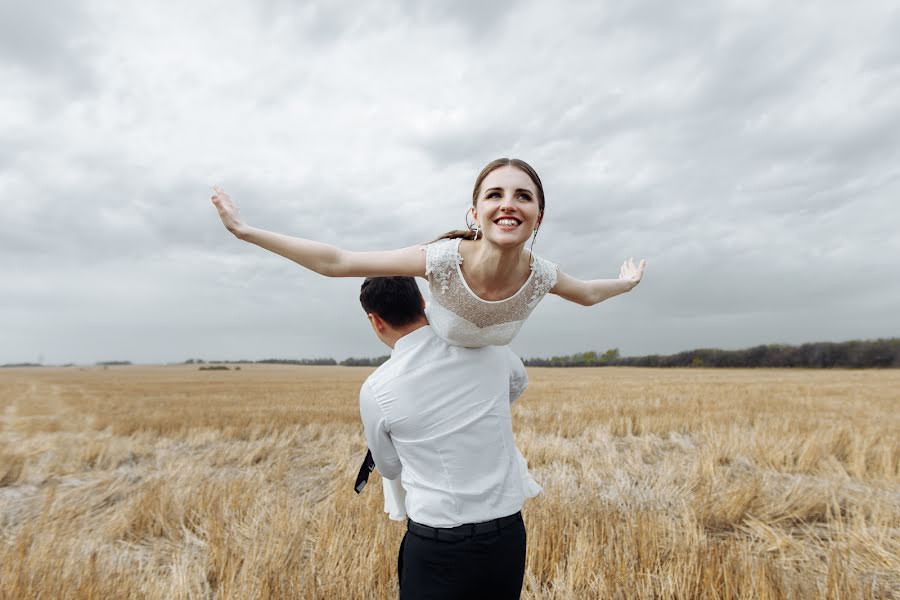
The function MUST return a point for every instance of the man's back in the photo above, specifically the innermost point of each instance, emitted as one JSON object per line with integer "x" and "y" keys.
{"x": 442, "y": 412}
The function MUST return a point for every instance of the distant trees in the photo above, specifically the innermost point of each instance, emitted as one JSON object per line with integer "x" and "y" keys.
{"x": 364, "y": 362}
{"x": 267, "y": 361}
{"x": 610, "y": 356}
{"x": 328, "y": 362}
{"x": 582, "y": 359}
{"x": 318, "y": 362}
{"x": 856, "y": 354}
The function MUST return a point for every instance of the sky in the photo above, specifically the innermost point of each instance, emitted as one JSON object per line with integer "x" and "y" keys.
{"x": 748, "y": 151}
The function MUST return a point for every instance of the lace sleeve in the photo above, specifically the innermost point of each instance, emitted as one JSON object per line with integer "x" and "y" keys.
{"x": 441, "y": 258}
{"x": 545, "y": 274}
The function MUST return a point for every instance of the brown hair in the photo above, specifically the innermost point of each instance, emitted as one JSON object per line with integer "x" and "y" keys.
{"x": 468, "y": 234}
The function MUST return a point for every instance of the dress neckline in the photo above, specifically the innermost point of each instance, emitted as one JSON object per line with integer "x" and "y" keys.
{"x": 476, "y": 296}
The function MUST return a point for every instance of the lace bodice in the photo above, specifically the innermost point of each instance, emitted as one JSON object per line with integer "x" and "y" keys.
{"x": 464, "y": 319}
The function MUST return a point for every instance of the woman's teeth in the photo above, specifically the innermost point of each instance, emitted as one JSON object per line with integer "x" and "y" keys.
{"x": 507, "y": 222}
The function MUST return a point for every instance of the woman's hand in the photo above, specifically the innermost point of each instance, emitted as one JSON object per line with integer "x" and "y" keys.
{"x": 631, "y": 273}
{"x": 228, "y": 211}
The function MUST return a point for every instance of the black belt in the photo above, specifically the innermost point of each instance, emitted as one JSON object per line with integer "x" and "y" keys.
{"x": 461, "y": 532}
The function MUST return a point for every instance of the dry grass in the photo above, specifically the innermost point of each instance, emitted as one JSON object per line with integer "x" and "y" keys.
{"x": 167, "y": 482}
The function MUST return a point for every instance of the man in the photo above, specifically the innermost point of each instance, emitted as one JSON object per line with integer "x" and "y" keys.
{"x": 438, "y": 418}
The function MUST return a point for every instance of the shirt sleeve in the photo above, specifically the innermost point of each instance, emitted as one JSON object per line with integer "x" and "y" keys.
{"x": 518, "y": 377}
{"x": 394, "y": 499}
{"x": 378, "y": 436}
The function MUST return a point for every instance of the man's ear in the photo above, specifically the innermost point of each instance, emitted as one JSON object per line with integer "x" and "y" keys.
{"x": 377, "y": 323}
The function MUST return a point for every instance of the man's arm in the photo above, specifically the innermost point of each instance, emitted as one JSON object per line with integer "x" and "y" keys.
{"x": 518, "y": 377}
{"x": 387, "y": 461}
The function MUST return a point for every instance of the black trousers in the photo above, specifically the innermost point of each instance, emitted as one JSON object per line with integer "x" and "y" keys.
{"x": 488, "y": 565}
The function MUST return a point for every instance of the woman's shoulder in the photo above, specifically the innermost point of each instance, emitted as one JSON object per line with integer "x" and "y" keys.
{"x": 544, "y": 278}
{"x": 441, "y": 254}
{"x": 542, "y": 265}
{"x": 443, "y": 245}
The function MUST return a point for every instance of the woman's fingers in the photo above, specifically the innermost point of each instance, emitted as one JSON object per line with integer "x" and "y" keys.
{"x": 640, "y": 272}
{"x": 629, "y": 270}
{"x": 219, "y": 194}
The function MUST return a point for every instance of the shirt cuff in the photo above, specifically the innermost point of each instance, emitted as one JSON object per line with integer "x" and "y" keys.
{"x": 394, "y": 499}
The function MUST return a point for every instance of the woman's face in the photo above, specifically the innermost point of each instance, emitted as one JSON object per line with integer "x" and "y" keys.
{"x": 507, "y": 208}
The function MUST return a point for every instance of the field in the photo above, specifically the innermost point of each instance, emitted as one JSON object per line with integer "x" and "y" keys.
{"x": 169, "y": 482}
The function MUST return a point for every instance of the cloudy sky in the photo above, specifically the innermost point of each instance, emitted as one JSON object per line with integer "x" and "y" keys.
{"x": 749, "y": 151}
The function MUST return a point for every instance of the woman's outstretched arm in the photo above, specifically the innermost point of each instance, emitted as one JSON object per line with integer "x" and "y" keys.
{"x": 324, "y": 259}
{"x": 588, "y": 293}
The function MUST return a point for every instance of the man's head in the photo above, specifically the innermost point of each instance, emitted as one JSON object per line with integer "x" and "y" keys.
{"x": 394, "y": 306}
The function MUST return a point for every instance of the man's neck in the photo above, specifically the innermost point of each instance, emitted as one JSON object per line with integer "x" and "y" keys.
{"x": 406, "y": 330}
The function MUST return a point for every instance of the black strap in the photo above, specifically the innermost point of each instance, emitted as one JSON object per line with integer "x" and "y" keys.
{"x": 367, "y": 466}
{"x": 461, "y": 532}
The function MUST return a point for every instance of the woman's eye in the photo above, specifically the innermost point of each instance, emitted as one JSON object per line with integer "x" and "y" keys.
{"x": 493, "y": 195}
{"x": 525, "y": 196}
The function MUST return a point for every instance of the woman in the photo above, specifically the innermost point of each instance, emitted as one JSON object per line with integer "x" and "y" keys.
{"x": 483, "y": 282}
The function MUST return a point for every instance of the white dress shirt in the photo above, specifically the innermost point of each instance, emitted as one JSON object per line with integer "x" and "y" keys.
{"x": 437, "y": 420}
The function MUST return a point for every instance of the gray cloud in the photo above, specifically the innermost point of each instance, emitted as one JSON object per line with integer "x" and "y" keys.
{"x": 748, "y": 153}
{"x": 49, "y": 41}
{"x": 478, "y": 20}
{"x": 39, "y": 35}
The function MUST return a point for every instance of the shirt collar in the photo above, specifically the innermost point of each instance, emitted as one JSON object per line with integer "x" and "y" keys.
{"x": 410, "y": 340}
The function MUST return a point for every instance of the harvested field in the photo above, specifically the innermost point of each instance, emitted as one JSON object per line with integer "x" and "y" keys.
{"x": 169, "y": 482}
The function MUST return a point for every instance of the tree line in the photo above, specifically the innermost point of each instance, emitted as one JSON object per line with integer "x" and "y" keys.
{"x": 319, "y": 362}
{"x": 855, "y": 354}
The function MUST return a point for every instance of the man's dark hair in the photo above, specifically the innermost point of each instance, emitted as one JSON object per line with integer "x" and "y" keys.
{"x": 397, "y": 300}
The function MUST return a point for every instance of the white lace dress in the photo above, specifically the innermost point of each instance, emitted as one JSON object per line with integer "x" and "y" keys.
{"x": 463, "y": 319}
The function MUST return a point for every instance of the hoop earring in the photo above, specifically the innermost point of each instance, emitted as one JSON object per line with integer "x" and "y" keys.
{"x": 472, "y": 226}
{"x": 531, "y": 249}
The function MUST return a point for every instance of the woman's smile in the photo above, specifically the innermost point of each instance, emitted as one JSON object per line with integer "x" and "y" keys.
{"x": 508, "y": 223}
